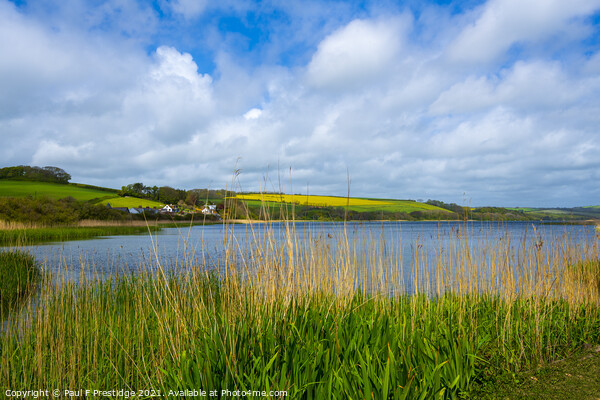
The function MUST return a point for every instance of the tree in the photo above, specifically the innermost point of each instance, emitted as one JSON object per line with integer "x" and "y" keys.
{"x": 191, "y": 198}
{"x": 138, "y": 188}
{"x": 134, "y": 190}
{"x": 151, "y": 192}
{"x": 58, "y": 174}
{"x": 12, "y": 172}
{"x": 25, "y": 172}
{"x": 168, "y": 195}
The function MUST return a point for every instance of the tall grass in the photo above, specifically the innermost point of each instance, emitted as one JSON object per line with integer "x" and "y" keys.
{"x": 29, "y": 236}
{"x": 312, "y": 316}
{"x": 19, "y": 275}
{"x": 20, "y": 234}
{"x": 86, "y": 223}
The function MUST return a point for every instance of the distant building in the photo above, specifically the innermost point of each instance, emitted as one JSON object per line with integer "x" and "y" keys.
{"x": 169, "y": 208}
{"x": 123, "y": 209}
{"x": 142, "y": 210}
{"x": 209, "y": 209}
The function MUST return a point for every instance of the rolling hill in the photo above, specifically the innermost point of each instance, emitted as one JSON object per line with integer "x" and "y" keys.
{"x": 92, "y": 194}
{"x": 307, "y": 206}
{"x": 352, "y": 203}
{"x": 588, "y": 212}
{"x": 131, "y": 202}
{"x": 13, "y": 188}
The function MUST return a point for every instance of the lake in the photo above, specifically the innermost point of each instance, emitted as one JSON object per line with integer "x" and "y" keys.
{"x": 428, "y": 245}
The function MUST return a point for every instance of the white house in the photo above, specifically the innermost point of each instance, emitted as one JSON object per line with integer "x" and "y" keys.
{"x": 209, "y": 209}
{"x": 170, "y": 209}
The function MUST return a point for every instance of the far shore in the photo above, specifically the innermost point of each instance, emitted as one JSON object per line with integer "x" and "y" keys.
{"x": 8, "y": 226}
{"x": 258, "y": 221}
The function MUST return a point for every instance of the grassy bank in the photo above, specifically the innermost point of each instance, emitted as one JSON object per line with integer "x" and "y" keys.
{"x": 18, "y": 234}
{"x": 296, "y": 314}
{"x": 131, "y": 202}
{"x": 27, "y": 236}
{"x": 19, "y": 274}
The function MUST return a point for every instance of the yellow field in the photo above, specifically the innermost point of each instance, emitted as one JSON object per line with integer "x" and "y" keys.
{"x": 319, "y": 201}
{"x": 352, "y": 204}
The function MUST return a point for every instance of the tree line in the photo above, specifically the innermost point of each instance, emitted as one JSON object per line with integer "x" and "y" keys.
{"x": 169, "y": 195}
{"x": 52, "y": 212}
{"x": 27, "y": 173}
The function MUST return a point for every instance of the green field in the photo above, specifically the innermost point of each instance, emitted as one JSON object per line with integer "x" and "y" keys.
{"x": 10, "y": 188}
{"x": 352, "y": 204}
{"x": 406, "y": 206}
{"x": 587, "y": 212}
{"x": 131, "y": 202}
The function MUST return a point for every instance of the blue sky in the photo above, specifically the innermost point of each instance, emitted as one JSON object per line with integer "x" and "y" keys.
{"x": 474, "y": 102}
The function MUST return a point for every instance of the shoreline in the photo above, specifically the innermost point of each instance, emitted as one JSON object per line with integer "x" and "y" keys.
{"x": 19, "y": 234}
{"x": 567, "y": 222}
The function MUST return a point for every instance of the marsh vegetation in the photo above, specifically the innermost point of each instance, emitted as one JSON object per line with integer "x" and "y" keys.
{"x": 20, "y": 275}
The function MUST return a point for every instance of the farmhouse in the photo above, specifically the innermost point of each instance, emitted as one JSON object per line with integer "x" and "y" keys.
{"x": 209, "y": 209}
{"x": 169, "y": 208}
{"x": 141, "y": 210}
{"x": 123, "y": 209}
{"x": 134, "y": 210}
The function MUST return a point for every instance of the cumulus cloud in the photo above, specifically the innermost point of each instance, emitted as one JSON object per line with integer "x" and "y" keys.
{"x": 502, "y": 23}
{"x": 172, "y": 100}
{"x": 50, "y": 152}
{"x": 356, "y": 54}
{"x": 45, "y": 70}
{"x": 188, "y": 8}
{"x": 253, "y": 113}
{"x": 524, "y": 86}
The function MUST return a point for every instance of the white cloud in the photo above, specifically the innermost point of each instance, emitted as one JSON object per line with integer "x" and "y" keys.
{"x": 42, "y": 69}
{"x": 49, "y": 152}
{"x": 501, "y": 23}
{"x": 172, "y": 101}
{"x": 535, "y": 85}
{"x": 174, "y": 65}
{"x": 498, "y": 131}
{"x": 472, "y": 94}
{"x": 526, "y": 87}
{"x": 253, "y": 113}
{"x": 356, "y": 54}
{"x": 188, "y": 8}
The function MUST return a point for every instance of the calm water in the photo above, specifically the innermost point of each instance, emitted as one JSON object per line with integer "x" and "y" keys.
{"x": 111, "y": 255}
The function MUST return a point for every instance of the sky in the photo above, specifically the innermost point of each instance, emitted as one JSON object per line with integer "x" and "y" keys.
{"x": 470, "y": 102}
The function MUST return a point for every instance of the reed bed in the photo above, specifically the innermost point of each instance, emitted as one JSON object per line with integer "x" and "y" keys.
{"x": 140, "y": 223}
{"x": 310, "y": 316}
{"x": 86, "y": 223}
{"x": 13, "y": 225}
{"x": 28, "y": 236}
{"x": 20, "y": 234}
{"x": 20, "y": 274}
